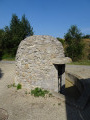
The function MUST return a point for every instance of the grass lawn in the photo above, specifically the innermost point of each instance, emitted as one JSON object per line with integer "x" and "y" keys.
{"x": 83, "y": 62}
{"x": 8, "y": 57}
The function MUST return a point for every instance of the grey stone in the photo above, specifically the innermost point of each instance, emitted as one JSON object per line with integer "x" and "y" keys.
{"x": 37, "y": 56}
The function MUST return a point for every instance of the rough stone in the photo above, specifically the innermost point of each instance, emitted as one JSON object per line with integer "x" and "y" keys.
{"x": 35, "y": 62}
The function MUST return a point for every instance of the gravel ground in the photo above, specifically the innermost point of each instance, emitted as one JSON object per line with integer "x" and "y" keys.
{"x": 21, "y": 106}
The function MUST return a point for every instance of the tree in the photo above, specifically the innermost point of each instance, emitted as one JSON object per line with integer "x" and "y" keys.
{"x": 75, "y": 45}
{"x": 86, "y": 36}
{"x": 1, "y": 42}
{"x": 15, "y": 33}
{"x": 26, "y": 28}
{"x": 7, "y": 41}
{"x": 61, "y": 40}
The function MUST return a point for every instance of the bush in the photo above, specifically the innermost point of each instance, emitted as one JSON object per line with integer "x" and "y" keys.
{"x": 12, "y": 35}
{"x": 39, "y": 92}
{"x": 89, "y": 56}
{"x": 61, "y": 40}
{"x": 19, "y": 86}
{"x": 7, "y": 56}
{"x": 74, "y": 43}
{"x": 11, "y": 85}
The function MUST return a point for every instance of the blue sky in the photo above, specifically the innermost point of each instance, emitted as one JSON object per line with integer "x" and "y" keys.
{"x": 48, "y": 17}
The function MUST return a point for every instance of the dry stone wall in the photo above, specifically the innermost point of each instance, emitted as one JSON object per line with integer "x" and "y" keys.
{"x": 34, "y": 62}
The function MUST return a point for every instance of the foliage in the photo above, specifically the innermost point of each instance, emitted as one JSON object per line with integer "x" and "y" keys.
{"x": 1, "y": 42}
{"x": 12, "y": 35}
{"x": 81, "y": 62}
{"x": 61, "y": 40}
{"x": 89, "y": 56}
{"x": 19, "y": 86}
{"x": 75, "y": 45}
{"x": 86, "y": 37}
{"x": 50, "y": 95}
{"x": 27, "y": 92}
{"x": 39, "y": 92}
{"x": 7, "y": 56}
{"x": 11, "y": 85}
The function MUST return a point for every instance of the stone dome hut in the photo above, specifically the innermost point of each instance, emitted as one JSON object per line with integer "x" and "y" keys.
{"x": 40, "y": 62}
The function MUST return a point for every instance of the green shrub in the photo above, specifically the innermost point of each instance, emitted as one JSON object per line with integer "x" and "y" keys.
{"x": 39, "y": 92}
{"x": 74, "y": 43}
{"x": 14, "y": 85}
{"x": 50, "y": 95}
{"x": 7, "y": 56}
{"x": 19, "y": 86}
{"x": 61, "y": 40}
{"x": 11, "y": 85}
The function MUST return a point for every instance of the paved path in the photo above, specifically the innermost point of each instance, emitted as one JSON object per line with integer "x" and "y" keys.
{"x": 80, "y": 70}
{"x": 21, "y": 106}
{"x": 84, "y": 73}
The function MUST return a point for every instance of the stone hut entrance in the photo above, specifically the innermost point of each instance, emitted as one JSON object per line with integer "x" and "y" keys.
{"x": 61, "y": 77}
{"x": 37, "y": 58}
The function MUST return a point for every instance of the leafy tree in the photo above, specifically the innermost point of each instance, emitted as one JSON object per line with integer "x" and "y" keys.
{"x": 15, "y": 33}
{"x": 15, "y": 30}
{"x": 61, "y": 40}
{"x": 1, "y": 42}
{"x": 7, "y": 39}
{"x": 86, "y": 36}
{"x": 26, "y": 28}
{"x": 75, "y": 45}
{"x": 1, "y": 37}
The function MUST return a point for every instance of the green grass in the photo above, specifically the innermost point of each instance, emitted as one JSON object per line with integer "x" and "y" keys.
{"x": 11, "y": 85}
{"x": 39, "y": 92}
{"x": 27, "y": 92}
{"x": 50, "y": 95}
{"x": 19, "y": 86}
{"x": 8, "y": 57}
{"x": 83, "y": 62}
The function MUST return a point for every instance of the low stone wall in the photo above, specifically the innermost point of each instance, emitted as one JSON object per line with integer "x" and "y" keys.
{"x": 75, "y": 80}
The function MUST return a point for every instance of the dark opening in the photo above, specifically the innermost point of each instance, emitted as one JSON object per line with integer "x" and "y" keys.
{"x": 61, "y": 69}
